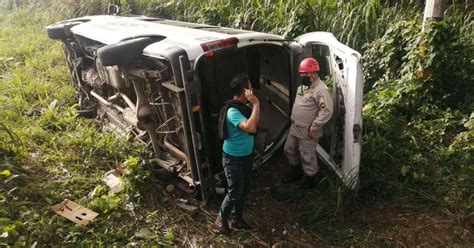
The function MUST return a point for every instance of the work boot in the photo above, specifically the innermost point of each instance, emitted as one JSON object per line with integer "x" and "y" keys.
{"x": 240, "y": 223}
{"x": 295, "y": 174}
{"x": 307, "y": 182}
{"x": 222, "y": 226}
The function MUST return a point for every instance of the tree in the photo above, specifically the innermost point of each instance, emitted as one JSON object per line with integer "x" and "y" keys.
{"x": 434, "y": 10}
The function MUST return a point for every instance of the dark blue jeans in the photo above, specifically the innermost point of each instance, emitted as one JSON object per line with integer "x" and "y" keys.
{"x": 237, "y": 171}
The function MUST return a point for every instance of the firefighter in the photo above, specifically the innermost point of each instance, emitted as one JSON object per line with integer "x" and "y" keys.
{"x": 313, "y": 107}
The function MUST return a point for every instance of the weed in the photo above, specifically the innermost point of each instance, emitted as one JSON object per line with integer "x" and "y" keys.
{"x": 418, "y": 123}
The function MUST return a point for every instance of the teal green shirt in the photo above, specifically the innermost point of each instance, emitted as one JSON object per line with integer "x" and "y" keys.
{"x": 238, "y": 143}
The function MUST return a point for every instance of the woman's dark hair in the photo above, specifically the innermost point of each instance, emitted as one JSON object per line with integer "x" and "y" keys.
{"x": 238, "y": 84}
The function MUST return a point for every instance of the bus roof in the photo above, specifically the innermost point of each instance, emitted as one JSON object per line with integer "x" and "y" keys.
{"x": 109, "y": 29}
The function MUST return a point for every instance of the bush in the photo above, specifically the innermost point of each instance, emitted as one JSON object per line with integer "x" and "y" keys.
{"x": 418, "y": 109}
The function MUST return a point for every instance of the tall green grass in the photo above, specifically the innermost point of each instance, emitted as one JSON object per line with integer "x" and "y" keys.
{"x": 414, "y": 151}
{"x": 353, "y": 22}
{"x": 47, "y": 154}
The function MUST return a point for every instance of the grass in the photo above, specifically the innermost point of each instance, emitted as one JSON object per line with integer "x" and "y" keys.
{"x": 353, "y": 22}
{"x": 47, "y": 154}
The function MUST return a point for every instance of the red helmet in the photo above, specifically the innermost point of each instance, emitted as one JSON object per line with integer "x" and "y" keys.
{"x": 309, "y": 65}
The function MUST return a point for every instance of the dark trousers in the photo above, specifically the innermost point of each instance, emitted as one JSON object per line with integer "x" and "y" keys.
{"x": 237, "y": 171}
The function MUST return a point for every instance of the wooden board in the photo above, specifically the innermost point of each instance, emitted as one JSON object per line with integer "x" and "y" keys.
{"x": 74, "y": 212}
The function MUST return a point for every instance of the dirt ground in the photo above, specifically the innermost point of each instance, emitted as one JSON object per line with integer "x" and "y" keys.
{"x": 284, "y": 216}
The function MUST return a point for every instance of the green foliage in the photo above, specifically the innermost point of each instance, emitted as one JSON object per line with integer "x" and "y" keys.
{"x": 353, "y": 22}
{"x": 107, "y": 203}
{"x": 418, "y": 118}
{"x": 418, "y": 108}
{"x": 47, "y": 154}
